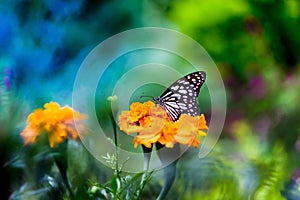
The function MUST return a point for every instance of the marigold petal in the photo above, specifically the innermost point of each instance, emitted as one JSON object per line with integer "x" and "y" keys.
{"x": 158, "y": 112}
{"x": 51, "y": 106}
{"x": 149, "y": 104}
{"x": 157, "y": 125}
{"x": 137, "y": 111}
{"x": 36, "y": 117}
{"x": 187, "y": 130}
{"x": 132, "y": 129}
{"x": 201, "y": 133}
{"x": 169, "y": 131}
{"x": 146, "y": 139}
{"x": 58, "y": 136}
{"x": 195, "y": 142}
{"x": 124, "y": 117}
{"x": 145, "y": 121}
{"x": 30, "y": 134}
{"x": 151, "y": 134}
{"x": 202, "y": 123}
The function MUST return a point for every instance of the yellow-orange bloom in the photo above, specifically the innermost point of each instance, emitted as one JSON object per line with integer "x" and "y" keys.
{"x": 152, "y": 124}
{"x": 57, "y": 122}
{"x": 139, "y": 111}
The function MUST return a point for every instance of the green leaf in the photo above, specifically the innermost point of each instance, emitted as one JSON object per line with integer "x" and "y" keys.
{"x": 131, "y": 181}
{"x": 114, "y": 184}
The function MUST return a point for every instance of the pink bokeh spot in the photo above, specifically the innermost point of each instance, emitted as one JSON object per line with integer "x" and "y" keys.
{"x": 258, "y": 87}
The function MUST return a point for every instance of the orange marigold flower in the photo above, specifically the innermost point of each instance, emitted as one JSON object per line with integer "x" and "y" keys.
{"x": 139, "y": 110}
{"x": 169, "y": 132}
{"x": 57, "y": 122}
{"x": 152, "y": 124}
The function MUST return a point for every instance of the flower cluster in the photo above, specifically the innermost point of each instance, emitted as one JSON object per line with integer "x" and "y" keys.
{"x": 57, "y": 122}
{"x": 153, "y": 125}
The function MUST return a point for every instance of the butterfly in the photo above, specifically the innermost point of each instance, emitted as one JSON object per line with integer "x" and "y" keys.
{"x": 181, "y": 96}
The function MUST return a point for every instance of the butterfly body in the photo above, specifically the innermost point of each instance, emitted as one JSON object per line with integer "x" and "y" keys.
{"x": 181, "y": 96}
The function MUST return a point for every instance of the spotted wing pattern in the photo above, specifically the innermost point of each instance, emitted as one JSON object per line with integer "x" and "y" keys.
{"x": 181, "y": 96}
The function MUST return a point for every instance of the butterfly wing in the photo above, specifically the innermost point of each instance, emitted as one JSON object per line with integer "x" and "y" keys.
{"x": 196, "y": 80}
{"x": 168, "y": 100}
{"x": 181, "y": 96}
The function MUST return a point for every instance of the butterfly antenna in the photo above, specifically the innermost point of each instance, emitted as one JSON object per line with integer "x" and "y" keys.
{"x": 146, "y": 96}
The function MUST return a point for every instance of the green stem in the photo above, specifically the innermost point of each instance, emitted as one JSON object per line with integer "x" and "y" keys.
{"x": 168, "y": 158}
{"x": 61, "y": 160}
{"x": 65, "y": 179}
{"x": 147, "y": 155}
{"x": 169, "y": 176}
{"x": 116, "y": 141}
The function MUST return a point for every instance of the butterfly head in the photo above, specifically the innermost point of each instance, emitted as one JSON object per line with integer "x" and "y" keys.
{"x": 158, "y": 100}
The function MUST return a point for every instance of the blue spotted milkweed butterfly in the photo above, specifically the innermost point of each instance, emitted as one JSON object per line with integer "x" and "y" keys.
{"x": 181, "y": 96}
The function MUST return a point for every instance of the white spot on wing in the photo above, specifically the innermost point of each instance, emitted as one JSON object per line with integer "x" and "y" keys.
{"x": 175, "y": 87}
{"x": 176, "y": 95}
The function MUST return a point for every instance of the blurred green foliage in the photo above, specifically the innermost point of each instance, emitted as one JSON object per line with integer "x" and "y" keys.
{"x": 255, "y": 44}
